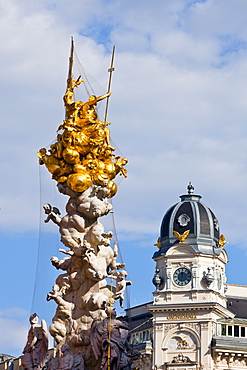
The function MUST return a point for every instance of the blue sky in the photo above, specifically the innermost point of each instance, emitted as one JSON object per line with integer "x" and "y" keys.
{"x": 178, "y": 111}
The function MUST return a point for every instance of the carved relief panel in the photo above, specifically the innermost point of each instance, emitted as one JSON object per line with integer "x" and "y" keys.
{"x": 182, "y": 340}
{"x": 180, "y": 346}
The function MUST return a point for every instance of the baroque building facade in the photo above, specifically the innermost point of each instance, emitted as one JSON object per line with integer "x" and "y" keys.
{"x": 197, "y": 320}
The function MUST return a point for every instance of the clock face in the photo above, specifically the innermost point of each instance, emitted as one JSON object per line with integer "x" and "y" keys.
{"x": 182, "y": 276}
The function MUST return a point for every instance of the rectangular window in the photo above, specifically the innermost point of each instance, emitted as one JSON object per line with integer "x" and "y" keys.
{"x": 229, "y": 330}
{"x": 236, "y": 331}
{"x": 242, "y": 331}
{"x": 140, "y": 337}
{"x": 137, "y": 338}
{"x": 148, "y": 334}
{"x": 223, "y": 329}
{"x": 144, "y": 336}
{"x": 134, "y": 340}
{"x": 131, "y": 338}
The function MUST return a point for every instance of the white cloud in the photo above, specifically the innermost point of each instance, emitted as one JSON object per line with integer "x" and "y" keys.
{"x": 13, "y": 312}
{"x": 12, "y": 334}
{"x": 13, "y": 330}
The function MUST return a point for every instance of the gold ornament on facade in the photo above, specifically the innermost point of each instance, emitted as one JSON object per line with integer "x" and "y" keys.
{"x": 158, "y": 244}
{"x": 181, "y": 237}
{"x": 82, "y": 154}
{"x": 222, "y": 241}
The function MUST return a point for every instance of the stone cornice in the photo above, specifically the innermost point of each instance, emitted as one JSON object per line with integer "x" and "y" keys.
{"x": 183, "y": 307}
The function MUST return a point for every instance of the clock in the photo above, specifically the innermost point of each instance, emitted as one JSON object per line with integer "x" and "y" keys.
{"x": 182, "y": 276}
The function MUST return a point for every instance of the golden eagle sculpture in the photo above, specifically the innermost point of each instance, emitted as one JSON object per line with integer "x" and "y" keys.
{"x": 222, "y": 241}
{"x": 181, "y": 237}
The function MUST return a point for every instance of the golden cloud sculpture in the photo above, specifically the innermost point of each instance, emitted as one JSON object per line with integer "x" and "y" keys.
{"x": 83, "y": 155}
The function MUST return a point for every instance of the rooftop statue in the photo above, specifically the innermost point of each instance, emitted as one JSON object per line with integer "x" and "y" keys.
{"x": 83, "y": 163}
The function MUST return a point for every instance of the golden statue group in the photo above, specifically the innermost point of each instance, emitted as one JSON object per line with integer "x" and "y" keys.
{"x": 82, "y": 161}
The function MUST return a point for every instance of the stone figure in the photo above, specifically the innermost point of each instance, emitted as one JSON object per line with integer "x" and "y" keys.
{"x": 81, "y": 292}
{"x": 180, "y": 358}
{"x": 36, "y": 348}
{"x": 49, "y": 210}
{"x": 83, "y": 209}
{"x": 110, "y": 337}
{"x": 66, "y": 361}
{"x": 63, "y": 280}
{"x": 83, "y": 163}
{"x": 121, "y": 284}
{"x": 103, "y": 263}
{"x": 62, "y": 322}
{"x": 109, "y": 255}
{"x": 208, "y": 277}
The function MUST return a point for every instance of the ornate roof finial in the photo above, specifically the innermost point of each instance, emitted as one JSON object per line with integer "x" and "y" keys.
{"x": 190, "y": 188}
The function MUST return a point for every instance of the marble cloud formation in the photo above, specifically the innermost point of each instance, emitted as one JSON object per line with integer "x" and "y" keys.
{"x": 83, "y": 163}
